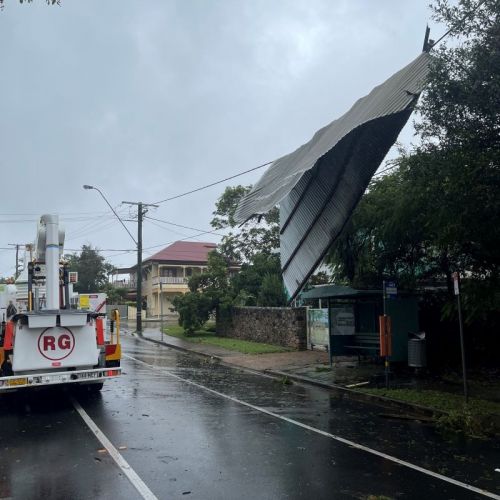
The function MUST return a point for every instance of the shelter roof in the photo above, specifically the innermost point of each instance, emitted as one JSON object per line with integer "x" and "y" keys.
{"x": 338, "y": 292}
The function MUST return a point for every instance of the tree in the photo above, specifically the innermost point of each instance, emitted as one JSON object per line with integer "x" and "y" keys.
{"x": 48, "y": 2}
{"x": 272, "y": 292}
{"x": 254, "y": 236}
{"x": 215, "y": 292}
{"x": 207, "y": 293}
{"x": 92, "y": 269}
{"x": 461, "y": 103}
{"x": 432, "y": 215}
{"x": 115, "y": 295}
{"x": 248, "y": 283}
{"x": 194, "y": 310}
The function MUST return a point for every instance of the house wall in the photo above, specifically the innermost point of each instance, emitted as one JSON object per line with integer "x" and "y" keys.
{"x": 283, "y": 326}
{"x": 174, "y": 282}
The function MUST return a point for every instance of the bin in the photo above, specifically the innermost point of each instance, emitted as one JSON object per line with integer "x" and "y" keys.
{"x": 416, "y": 350}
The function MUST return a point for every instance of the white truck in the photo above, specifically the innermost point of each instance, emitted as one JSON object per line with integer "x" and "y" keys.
{"x": 50, "y": 343}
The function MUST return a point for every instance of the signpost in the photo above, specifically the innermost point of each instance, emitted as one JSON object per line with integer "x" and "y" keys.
{"x": 456, "y": 289}
{"x": 161, "y": 309}
{"x": 389, "y": 291}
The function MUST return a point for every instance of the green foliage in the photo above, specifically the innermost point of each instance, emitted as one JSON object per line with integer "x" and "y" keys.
{"x": 247, "y": 284}
{"x": 468, "y": 422}
{"x": 253, "y": 237}
{"x": 194, "y": 310}
{"x": 92, "y": 270}
{"x": 272, "y": 292}
{"x": 320, "y": 278}
{"x": 215, "y": 291}
{"x": 115, "y": 295}
{"x": 208, "y": 292}
{"x": 461, "y": 103}
{"x": 215, "y": 281}
{"x": 258, "y": 283}
{"x": 433, "y": 214}
{"x": 48, "y": 2}
{"x": 480, "y": 418}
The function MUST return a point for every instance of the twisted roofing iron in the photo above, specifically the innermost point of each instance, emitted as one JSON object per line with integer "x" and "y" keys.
{"x": 319, "y": 185}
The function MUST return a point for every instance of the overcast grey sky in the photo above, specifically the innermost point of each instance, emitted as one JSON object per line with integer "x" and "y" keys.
{"x": 153, "y": 98}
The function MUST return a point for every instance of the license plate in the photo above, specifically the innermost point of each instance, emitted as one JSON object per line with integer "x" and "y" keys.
{"x": 17, "y": 381}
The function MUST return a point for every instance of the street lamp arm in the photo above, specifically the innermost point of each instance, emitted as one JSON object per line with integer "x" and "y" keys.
{"x": 86, "y": 186}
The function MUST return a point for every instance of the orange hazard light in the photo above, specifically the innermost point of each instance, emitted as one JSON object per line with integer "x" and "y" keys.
{"x": 99, "y": 331}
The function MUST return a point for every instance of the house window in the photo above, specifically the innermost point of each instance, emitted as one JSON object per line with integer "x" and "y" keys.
{"x": 169, "y": 272}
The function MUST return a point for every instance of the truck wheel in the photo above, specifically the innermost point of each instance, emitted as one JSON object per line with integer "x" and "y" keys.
{"x": 94, "y": 387}
{"x": 6, "y": 369}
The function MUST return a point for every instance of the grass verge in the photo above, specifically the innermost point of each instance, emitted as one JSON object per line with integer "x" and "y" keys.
{"x": 479, "y": 418}
{"x": 208, "y": 337}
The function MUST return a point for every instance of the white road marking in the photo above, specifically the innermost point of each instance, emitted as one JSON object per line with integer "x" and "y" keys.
{"x": 132, "y": 476}
{"x": 323, "y": 433}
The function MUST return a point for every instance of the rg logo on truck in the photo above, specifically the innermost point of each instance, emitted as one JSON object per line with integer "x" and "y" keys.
{"x": 56, "y": 343}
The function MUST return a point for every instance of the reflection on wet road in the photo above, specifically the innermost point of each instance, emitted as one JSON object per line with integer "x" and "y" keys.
{"x": 186, "y": 442}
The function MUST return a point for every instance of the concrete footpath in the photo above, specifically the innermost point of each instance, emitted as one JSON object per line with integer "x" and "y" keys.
{"x": 304, "y": 367}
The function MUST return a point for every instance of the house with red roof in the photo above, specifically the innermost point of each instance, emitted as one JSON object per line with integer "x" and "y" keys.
{"x": 166, "y": 273}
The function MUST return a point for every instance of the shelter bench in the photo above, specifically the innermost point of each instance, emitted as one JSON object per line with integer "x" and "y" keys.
{"x": 365, "y": 343}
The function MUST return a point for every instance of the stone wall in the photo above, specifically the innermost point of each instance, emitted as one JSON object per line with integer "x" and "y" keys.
{"x": 283, "y": 326}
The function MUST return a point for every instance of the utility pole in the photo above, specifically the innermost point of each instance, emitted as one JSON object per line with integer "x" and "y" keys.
{"x": 17, "y": 245}
{"x": 141, "y": 211}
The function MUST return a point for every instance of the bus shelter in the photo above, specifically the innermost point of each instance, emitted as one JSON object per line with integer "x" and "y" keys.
{"x": 351, "y": 316}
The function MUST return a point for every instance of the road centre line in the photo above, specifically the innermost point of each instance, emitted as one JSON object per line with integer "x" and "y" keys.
{"x": 323, "y": 433}
{"x": 132, "y": 476}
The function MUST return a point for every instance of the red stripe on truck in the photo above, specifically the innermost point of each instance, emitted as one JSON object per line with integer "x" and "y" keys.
{"x": 100, "y": 306}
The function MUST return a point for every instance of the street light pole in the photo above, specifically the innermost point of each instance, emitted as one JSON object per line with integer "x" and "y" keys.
{"x": 138, "y": 244}
{"x": 141, "y": 211}
{"x": 86, "y": 186}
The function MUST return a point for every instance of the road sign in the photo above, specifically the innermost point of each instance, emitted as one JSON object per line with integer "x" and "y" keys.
{"x": 73, "y": 276}
{"x": 391, "y": 290}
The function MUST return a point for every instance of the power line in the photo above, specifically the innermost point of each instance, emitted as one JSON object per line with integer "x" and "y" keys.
{"x": 170, "y": 230}
{"x": 457, "y": 24}
{"x": 213, "y": 183}
{"x": 390, "y": 167}
{"x": 90, "y": 227}
{"x": 95, "y": 188}
{"x": 183, "y": 239}
{"x": 101, "y": 250}
{"x": 180, "y": 225}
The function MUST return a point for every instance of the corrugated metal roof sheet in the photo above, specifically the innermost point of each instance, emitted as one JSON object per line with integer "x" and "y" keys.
{"x": 319, "y": 184}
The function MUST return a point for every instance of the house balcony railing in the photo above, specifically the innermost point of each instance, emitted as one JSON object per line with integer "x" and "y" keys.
{"x": 169, "y": 280}
{"x": 124, "y": 284}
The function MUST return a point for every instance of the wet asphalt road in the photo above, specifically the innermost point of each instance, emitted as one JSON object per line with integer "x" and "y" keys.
{"x": 186, "y": 442}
